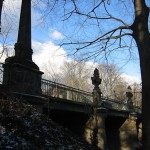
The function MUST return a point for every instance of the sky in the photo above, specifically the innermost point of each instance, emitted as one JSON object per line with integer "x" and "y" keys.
{"x": 48, "y": 33}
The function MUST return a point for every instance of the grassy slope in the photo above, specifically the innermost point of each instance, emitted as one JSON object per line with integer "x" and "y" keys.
{"x": 21, "y": 127}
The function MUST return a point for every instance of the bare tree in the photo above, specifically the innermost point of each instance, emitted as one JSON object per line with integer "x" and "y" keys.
{"x": 8, "y": 29}
{"x": 137, "y": 94}
{"x": 51, "y": 73}
{"x": 113, "y": 85}
{"x": 120, "y": 90}
{"x": 76, "y": 74}
{"x": 116, "y": 31}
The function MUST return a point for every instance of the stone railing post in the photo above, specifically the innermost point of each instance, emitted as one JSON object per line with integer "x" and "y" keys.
{"x": 95, "y": 132}
{"x": 129, "y": 134}
{"x": 96, "y": 81}
{"x": 129, "y": 98}
{"x": 95, "y": 127}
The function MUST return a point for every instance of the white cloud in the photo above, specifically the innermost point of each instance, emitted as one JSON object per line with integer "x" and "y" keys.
{"x": 48, "y": 55}
{"x": 131, "y": 79}
{"x": 56, "y": 35}
{"x": 51, "y": 57}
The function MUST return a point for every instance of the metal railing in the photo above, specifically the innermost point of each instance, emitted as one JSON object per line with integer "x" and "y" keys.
{"x": 53, "y": 89}
{"x": 119, "y": 105}
{"x": 115, "y": 104}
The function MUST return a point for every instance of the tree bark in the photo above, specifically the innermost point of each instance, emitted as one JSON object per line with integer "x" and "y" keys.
{"x": 142, "y": 37}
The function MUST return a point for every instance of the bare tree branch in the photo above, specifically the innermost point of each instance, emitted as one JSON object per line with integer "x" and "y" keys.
{"x": 107, "y": 36}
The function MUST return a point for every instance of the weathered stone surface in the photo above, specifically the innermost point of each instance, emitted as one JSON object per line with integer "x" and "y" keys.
{"x": 21, "y": 78}
{"x": 96, "y": 81}
{"x": 23, "y": 45}
{"x": 140, "y": 132}
{"x": 21, "y": 74}
{"x": 95, "y": 131}
{"x": 128, "y": 134}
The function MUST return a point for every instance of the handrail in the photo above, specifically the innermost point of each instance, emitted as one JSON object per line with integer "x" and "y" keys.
{"x": 67, "y": 87}
{"x": 51, "y": 88}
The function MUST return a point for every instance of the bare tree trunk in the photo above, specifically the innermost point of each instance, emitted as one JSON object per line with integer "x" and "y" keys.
{"x": 142, "y": 37}
{"x": 145, "y": 73}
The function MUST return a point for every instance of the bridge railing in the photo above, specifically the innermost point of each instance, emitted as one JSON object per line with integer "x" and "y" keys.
{"x": 119, "y": 105}
{"x": 114, "y": 104}
{"x": 53, "y": 89}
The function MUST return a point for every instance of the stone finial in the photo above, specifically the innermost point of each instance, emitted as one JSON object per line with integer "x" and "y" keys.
{"x": 129, "y": 96}
{"x": 96, "y": 81}
{"x": 129, "y": 93}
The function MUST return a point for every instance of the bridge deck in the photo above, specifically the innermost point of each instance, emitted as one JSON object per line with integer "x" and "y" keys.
{"x": 76, "y": 96}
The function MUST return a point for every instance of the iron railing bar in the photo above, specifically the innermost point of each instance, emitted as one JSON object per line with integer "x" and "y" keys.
{"x": 66, "y": 86}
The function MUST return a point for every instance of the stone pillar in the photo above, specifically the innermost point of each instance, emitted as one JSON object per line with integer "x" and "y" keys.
{"x": 140, "y": 133}
{"x": 23, "y": 46}
{"x": 128, "y": 133}
{"x": 129, "y": 96}
{"x": 21, "y": 74}
{"x": 95, "y": 129}
{"x": 96, "y": 81}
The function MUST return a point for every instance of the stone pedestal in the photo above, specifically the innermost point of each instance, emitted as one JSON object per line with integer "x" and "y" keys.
{"x": 128, "y": 134}
{"x": 22, "y": 76}
{"x": 95, "y": 129}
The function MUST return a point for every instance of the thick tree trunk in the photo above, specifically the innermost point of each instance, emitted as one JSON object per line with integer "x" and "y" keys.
{"x": 142, "y": 38}
{"x": 145, "y": 74}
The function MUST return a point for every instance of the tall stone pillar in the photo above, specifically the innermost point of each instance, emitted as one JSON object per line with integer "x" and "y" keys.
{"x": 128, "y": 133}
{"x": 95, "y": 127}
{"x": 23, "y": 46}
{"x": 21, "y": 74}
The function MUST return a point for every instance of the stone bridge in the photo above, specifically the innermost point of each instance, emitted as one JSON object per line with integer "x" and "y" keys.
{"x": 106, "y": 123}
{"x": 101, "y": 124}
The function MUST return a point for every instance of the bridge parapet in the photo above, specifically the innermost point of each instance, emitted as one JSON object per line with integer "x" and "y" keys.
{"x": 119, "y": 105}
{"x": 53, "y": 89}
{"x": 114, "y": 104}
